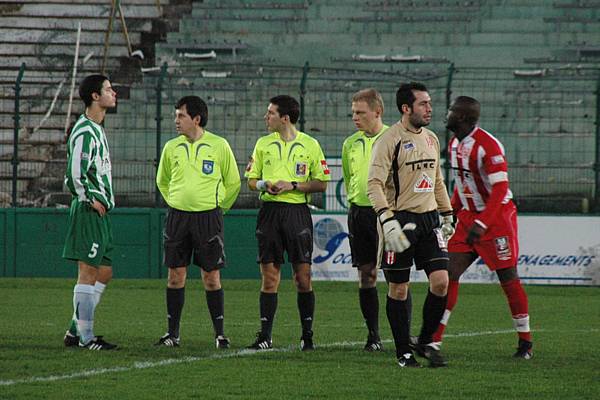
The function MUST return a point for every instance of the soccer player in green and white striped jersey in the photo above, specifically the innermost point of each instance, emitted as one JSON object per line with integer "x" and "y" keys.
{"x": 89, "y": 238}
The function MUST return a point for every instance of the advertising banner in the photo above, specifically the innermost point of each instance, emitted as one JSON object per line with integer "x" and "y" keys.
{"x": 553, "y": 250}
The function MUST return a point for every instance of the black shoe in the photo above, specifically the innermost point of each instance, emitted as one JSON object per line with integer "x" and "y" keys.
{"x": 373, "y": 343}
{"x": 222, "y": 342}
{"x": 429, "y": 351}
{"x": 524, "y": 350}
{"x": 261, "y": 342}
{"x": 70, "y": 340}
{"x": 168, "y": 340}
{"x": 407, "y": 360}
{"x": 306, "y": 341}
{"x": 98, "y": 344}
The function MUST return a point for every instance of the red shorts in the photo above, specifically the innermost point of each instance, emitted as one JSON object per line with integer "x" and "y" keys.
{"x": 498, "y": 247}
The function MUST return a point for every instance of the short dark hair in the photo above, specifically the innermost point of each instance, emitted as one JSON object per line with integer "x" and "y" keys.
{"x": 405, "y": 94}
{"x": 195, "y": 106}
{"x": 91, "y": 84}
{"x": 287, "y": 105}
{"x": 468, "y": 107}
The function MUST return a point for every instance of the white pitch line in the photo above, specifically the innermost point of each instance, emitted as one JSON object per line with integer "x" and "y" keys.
{"x": 239, "y": 353}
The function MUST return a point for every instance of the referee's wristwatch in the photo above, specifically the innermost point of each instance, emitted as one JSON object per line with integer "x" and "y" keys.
{"x": 294, "y": 185}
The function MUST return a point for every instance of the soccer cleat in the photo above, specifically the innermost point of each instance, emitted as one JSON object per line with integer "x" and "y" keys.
{"x": 168, "y": 340}
{"x": 98, "y": 343}
{"x": 70, "y": 340}
{"x": 407, "y": 360}
{"x": 524, "y": 350}
{"x": 373, "y": 343}
{"x": 261, "y": 342}
{"x": 306, "y": 341}
{"x": 222, "y": 342}
{"x": 429, "y": 351}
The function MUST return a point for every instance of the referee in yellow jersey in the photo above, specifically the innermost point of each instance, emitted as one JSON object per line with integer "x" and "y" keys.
{"x": 367, "y": 112}
{"x": 199, "y": 179}
{"x": 286, "y": 167}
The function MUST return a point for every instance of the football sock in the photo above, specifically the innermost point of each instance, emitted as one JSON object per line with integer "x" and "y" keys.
{"x": 517, "y": 301}
{"x": 306, "y": 308}
{"x": 268, "y": 306}
{"x": 73, "y": 329}
{"x": 409, "y": 307}
{"x": 369, "y": 305}
{"x": 215, "y": 300}
{"x": 175, "y": 302}
{"x": 397, "y": 314}
{"x": 98, "y": 290}
{"x": 450, "y": 303}
{"x": 433, "y": 309}
{"x": 84, "y": 310}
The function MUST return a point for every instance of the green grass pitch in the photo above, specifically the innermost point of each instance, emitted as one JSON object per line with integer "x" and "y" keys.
{"x": 34, "y": 364}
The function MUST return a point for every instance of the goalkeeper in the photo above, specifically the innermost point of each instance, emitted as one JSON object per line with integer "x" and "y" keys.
{"x": 407, "y": 191}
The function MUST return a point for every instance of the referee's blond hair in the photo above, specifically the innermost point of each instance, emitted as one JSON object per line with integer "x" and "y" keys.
{"x": 370, "y": 96}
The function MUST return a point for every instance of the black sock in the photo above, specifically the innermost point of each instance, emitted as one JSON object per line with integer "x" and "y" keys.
{"x": 409, "y": 307}
{"x": 306, "y": 308}
{"x": 433, "y": 310}
{"x": 369, "y": 305}
{"x": 397, "y": 313}
{"x": 215, "y": 300}
{"x": 175, "y": 301}
{"x": 268, "y": 306}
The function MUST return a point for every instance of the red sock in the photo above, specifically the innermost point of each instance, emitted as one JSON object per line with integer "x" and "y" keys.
{"x": 450, "y": 303}
{"x": 517, "y": 301}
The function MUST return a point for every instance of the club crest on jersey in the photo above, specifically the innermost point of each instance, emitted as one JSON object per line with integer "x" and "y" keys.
{"x": 430, "y": 142}
{"x": 502, "y": 248}
{"x": 424, "y": 184}
{"x": 325, "y": 167}
{"x": 208, "y": 166}
{"x": 301, "y": 168}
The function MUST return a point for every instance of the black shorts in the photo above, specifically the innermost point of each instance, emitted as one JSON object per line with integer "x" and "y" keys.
{"x": 194, "y": 233}
{"x": 428, "y": 249}
{"x": 284, "y": 227}
{"x": 362, "y": 228}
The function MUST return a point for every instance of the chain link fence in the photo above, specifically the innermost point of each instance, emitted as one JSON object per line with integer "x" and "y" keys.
{"x": 547, "y": 120}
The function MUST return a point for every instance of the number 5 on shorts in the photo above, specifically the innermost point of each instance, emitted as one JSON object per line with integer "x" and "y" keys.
{"x": 93, "y": 250}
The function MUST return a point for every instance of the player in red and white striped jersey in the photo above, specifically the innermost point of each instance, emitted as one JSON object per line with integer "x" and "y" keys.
{"x": 487, "y": 217}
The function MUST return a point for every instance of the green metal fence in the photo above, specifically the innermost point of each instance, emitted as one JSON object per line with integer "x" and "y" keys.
{"x": 547, "y": 120}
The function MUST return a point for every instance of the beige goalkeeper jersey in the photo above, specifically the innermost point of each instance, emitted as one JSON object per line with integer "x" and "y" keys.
{"x": 405, "y": 174}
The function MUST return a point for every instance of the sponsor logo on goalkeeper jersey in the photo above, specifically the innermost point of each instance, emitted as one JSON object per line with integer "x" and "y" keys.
{"x": 424, "y": 184}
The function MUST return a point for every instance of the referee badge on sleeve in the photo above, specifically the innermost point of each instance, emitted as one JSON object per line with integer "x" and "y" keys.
{"x": 325, "y": 167}
{"x": 208, "y": 166}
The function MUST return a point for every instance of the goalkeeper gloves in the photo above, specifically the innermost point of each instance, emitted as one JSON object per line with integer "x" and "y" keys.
{"x": 394, "y": 238}
{"x": 447, "y": 227}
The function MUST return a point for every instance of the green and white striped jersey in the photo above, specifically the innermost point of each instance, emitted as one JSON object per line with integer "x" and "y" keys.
{"x": 88, "y": 173}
